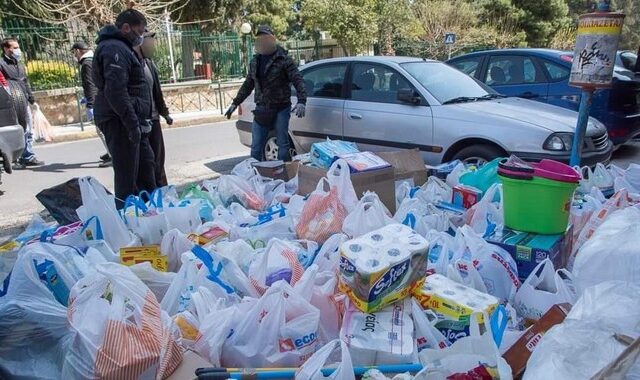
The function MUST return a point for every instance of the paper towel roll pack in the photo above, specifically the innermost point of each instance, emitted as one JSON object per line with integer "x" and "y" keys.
{"x": 453, "y": 301}
{"x": 383, "y": 266}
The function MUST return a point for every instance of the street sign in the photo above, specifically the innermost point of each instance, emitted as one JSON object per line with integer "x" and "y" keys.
{"x": 449, "y": 38}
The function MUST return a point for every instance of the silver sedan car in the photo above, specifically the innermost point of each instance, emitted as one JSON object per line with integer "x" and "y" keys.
{"x": 388, "y": 103}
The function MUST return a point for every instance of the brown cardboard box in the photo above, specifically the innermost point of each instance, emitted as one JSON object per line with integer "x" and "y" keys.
{"x": 381, "y": 181}
{"x": 518, "y": 355}
{"x": 407, "y": 164}
{"x": 187, "y": 369}
{"x": 277, "y": 169}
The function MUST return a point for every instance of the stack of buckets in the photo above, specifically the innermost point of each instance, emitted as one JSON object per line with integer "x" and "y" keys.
{"x": 537, "y": 197}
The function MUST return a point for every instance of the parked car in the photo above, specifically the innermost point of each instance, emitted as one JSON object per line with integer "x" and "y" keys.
{"x": 387, "y": 103}
{"x": 11, "y": 134}
{"x": 543, "y": 75}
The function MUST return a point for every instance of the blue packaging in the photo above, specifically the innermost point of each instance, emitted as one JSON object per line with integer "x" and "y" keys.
{"x": 323, "y": 154}
{"x": 48, "y": 274}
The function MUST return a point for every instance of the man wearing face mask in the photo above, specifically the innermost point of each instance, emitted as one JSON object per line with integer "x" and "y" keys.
{"x": 14, "y": 71}
{"x": 271, "y": 73}
{"x": 122, "y": 107}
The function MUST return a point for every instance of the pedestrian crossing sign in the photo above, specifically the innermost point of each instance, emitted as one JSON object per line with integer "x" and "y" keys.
{"x": 449, "y": 38}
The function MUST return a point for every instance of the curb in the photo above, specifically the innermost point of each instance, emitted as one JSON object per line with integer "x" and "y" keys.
{"x": 82, "y": 135}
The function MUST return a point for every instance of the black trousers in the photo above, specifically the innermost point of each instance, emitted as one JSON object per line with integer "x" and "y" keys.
{"x": 157, "y": 145}
{"x": 132, "y": 160}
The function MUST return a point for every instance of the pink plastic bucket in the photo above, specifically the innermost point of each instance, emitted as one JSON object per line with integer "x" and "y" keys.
{"x": 556, "y": 171}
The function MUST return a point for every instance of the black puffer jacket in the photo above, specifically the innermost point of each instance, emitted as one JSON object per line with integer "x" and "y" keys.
{"x": 86, "y": 76}
{"x": 275, "y": 86}
{"x": 118, "y": 74}
{"x": 15, "y": 71}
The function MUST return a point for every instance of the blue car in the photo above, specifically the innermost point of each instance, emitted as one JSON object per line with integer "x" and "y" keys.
{"x": 542, "y": 75}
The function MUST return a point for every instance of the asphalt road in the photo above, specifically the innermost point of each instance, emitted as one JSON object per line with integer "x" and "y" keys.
{"x": 193, "y": 154}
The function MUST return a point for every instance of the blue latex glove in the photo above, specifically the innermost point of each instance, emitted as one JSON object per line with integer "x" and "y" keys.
{"x": 89, "y": 114}
{"x": 83, "y": 101}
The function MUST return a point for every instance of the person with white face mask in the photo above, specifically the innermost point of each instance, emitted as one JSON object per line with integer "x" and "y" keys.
{"x": 15, "y": 72}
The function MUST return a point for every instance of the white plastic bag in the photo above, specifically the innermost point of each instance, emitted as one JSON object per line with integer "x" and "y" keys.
{"x": 602, "y": 178}
{"x": 612, "y": 252}
{"x": 184, "y": 216}
{"x": 544, "y": 288}
{"x": 323, "y": 214}
{"x": 443, "y": 250}
{"x": 586, "y": 183}
{"x": 487, "y": 215}
{"x": 339, "y": 176}
{"x": 368, "y": 215}
{"x": 463, "y": 272}
{"x": 41, "y": 127}
{"x": 150, "y": 225}
{"x": 311, "y": 369}
{"x": 453, "y": 178}
{"x": 215, "y": 327}
{"x": 427, "y": 335}
{"x": 328, "y": 257}
{"x": 496, "y": 266}
{"x": 173, "y": 245}
{"x": 239, "y": 251}
{"x": 464, "y": 355}
{"x": 96, "y": 202}
{"x": 233, "y": 188}
{"x": 434, "y": 191}
{"x": 33, "y": 324}
{"x": 158, "y": 282}
{"x": 120, "y": 332}
{"x": 258, "y": 235}
{"x": 280, "y": 330}
{"x": 245, "y": 169}
{"x": 279, "y": 261}
{"x": 422, "y": 217}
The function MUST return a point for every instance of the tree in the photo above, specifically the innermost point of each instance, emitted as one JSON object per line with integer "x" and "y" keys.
{"x": 542, "y": 18}
{"x": 631, "y": 28}
{"x": 352, "y": 23}
{"x": 394, "y": 18}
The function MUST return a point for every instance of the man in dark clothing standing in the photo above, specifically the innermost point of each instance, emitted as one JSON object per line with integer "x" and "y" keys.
{"x": 123, "y": 104}
{"x": 158, "y": 108}
{"x": 16, "y": 74}
{"x": 271, "y": 73}
{"x": 84, "y": 57}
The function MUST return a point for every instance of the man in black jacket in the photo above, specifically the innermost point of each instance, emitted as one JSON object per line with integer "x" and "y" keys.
{"x": 123, "y": 104}
{"x": 84, "y": 57}
{"x": 15, "y": 72}
{"x": 271, "y": 73}
{"x": 158, "y": 108}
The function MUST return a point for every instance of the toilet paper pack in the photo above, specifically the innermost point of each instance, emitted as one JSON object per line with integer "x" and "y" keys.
{"x": 453, "y": 301}
{"x": 383, "y": 337}
{"x": 383, "y": 266}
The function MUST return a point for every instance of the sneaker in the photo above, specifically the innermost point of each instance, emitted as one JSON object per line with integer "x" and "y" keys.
{"x": 33, "y": 161}
{"x": 105, "y": 157}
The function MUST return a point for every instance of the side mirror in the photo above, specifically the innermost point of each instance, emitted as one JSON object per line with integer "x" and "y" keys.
{"x": 408, "y": 95}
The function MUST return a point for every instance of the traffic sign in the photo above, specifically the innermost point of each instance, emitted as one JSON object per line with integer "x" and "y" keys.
{"x": 450, "y": 38}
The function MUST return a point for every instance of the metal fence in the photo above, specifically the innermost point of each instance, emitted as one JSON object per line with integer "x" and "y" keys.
{"x": 182, "y": 55}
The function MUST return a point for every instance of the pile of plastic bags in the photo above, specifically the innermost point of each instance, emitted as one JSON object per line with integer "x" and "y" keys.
{"x": 248, "y": 276}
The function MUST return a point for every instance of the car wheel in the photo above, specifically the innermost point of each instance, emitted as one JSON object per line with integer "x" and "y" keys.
{"x": 478, "y": 154}
{"x": 271, "y": 148}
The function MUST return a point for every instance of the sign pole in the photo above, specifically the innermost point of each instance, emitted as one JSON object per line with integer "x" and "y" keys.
{"x": 581, "y": 127}
{"x": 449, "y": 51}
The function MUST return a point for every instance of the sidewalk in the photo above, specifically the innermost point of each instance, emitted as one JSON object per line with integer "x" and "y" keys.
{"x": 73, "y": 132}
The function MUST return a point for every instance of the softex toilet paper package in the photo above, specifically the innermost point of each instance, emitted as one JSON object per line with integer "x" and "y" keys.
{"x": 383, "y": 337}
{"x": 383, "y": 266}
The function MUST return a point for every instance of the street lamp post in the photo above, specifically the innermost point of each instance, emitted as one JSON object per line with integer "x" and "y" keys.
{"x": 245, "y": 29}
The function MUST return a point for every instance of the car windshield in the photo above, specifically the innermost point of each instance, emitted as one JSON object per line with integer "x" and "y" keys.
{"x": 447, "y": 84}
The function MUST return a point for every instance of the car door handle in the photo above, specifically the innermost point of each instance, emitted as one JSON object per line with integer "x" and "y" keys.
{"x": 355, "y": 116}
{"x": 528, "y": 95}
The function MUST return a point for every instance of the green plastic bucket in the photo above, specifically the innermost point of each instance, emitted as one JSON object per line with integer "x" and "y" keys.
{"x": 537, "y": 205}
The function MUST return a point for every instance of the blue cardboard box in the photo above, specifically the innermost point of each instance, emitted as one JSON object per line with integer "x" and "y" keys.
{"x": 529, "y": 249}
{"x": 323, "y": 154}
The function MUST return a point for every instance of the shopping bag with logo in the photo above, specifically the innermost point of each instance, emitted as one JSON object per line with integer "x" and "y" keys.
{"x": 184, "y": 216}
{"x": 280, "y": 330}
{"x": 279, "y": 261}
{"x": 474, "y": 356}
{"x": 33, "y": 328}
{"x": 368, "y": 215}
{"x": 427, "y": 335}
{"x": 120, "y": 332}
{"x": 544, "y": 288}
{"x": 312, "y": 368}
{"x": 496, "y": 266}
{"x": 97, "y": 202}
{"x": 487, "y": 216}
{"x": 323, "y": 214}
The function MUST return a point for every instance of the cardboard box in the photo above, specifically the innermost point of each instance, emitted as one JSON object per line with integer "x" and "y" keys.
{"x": 187, "y": 369}
{"x": 529, "y": 249}
{"x": 407, "y": 165}
{"x": 381, "y": 181}
{"x": 518, "y": 355}
{"x": 466, "y": 196}
{"x": 277, "y": 169}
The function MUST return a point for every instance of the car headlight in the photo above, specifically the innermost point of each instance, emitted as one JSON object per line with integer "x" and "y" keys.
{"x": 559, "y": 142}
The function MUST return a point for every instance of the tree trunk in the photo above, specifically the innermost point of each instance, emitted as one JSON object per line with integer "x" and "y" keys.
{"x": 385, "y": 39}
{"x": 188, "y": 48}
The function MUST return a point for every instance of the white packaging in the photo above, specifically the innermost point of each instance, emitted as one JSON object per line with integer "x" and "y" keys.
{"x": 380, "y": 267}
{"x": 383, "y": 337}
